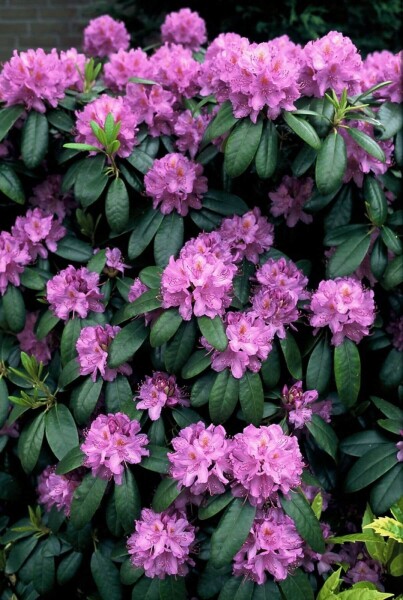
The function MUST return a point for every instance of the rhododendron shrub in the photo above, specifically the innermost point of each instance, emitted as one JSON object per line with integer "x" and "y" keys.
{"x": 200, "y": 318}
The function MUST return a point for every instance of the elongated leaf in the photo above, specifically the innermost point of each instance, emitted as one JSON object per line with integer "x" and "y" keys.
{"x": 14, "y": 308}
{"x": 339, "y": 235}
{"x": 292, "y": 355}
{"x": 144, "y": 303}
{"x": 127, "y": 500}
{"x": 367, "y": 143}
{"x": 267, "y": 591}
{"x": 70, "y": 372}
{"x": 347, "y": 372}
{"x": 197, "y": 363}
{"x": 319, "y": 368}
{"x": 214, "y": 332}
{"x": 46, "y": 322}
{"x": 393, "y": 275}
{"x": 166, "y": 493}
{"x": 157, "y": 461}
{"x": 387, "y": 408}
{"x": 90, "y": 180}
{"x": 308, "y": 526}
{"x": 34, "y": 139}
{"x": 349, "y": 255}
{"x": 237, "y": 588}
{"x": 296, "y": 587}
{"x": 303, "y": 129}
{"x": 165, "y": 327}
{"x": 84, "y": 399}
{"x": 391, "y": 116}
{"x": 223, "y": 397}
{"x": 126, "y": 343}
{"x": 324, "y": 435}
{"x": 304, "y": 159}
{"x": 86, "y": 500}
{"x": 43, "y": 571}
{"x": 251, "y": 397}
{"x": 69, "y": 339}
{"x": 106, "y": 577}
{"x": 214, "y": 505}
{"x": 60, "y": 120}
{"x": 8, "y": 116}
{"x": 70, "y": 461}
{"x": 117, "y": 206}
{"x": 140, "y": 161}
{"x": 370, "y": 467}
{"x": 387, "y": 490}
{"x": 145, "y": 229}
{"x": 180, "y": 347}
{"x": 61, "y": 430}
{"x": 34, "y": 279}
{"x": 379, "y": 258}
{"x": 231, "y": 531}
{"x": 375, "y": 201}
{"x": 74, "y": 249}
{"x": 271, "y": 368}
{"x": 19, "y": 553}
{"x": 118, "y": 393}
{"x": 241, "y": 146}
{"x": 359, "y": 443}
{"x": 331, "y": 164}
{"x": 391, "y": 240}
{"x": 10, "y": 185}
{"x": 151, "y": 277}
{"x": 267, "y": 152}
{"x": 30, "y": 442}
{"x": 168, "y": 239}
{"x": 222, "y": 122}
{"x": 200, "y": 392}
{"x": 223, "y": 203}
{"x": 68, "y": 567}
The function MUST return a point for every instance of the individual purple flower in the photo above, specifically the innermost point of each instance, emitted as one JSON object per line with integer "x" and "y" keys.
{"x": 105, "y": 35}
{"x": 175, "y": 183}
{"x": 200, "y": 460}
{"x": 395, "y": 329}
{"x": 289, "y": 199}
{"x": 365, "y": 569}
{"x": 322, "y": 562}
{"x": 123, "y": 65}
{"x": 158, "y": 391}
{"x": 57, "y": 490}
{"x": 345, "y": 306}
{"x": 273, "y": 547}
{"x": 174, "y": 67}
{"x": 297, "y": 403}
{"x": 14, "y": 256}
{"x": 162, "y": 543}
{"x": 49, "y": 198}
{"x": 93, "y": 347}
{"x": 112, "y": 441}
{"x": 32, "y": 78}
{"x": 190, "y": 129}
{"x": 39, "y": 231}
{"x": 97, "y": 111}
{"x": 114, "y": 260}
{"x": 249, "y": 343}
{"x": 74, "y": 291}
{"x": 276, "y": 307}
{"x": 184, "y": 27}
{"x": 73, "y": 65}
{"x": 197, "y": 284}
{"x": 331, "y": 62}
{"x": 264, "y": 462}
{"x": 283, "y": 274}
{"x": 29, "y": 343}
{"x": 153, "y": 105}
{"x": 247, "y": 236}
{"x": 383, "y": 66}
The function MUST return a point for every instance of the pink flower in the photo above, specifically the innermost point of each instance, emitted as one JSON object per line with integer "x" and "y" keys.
{"x": 395, "y": 329}
{"x": 74, "y": 291}
{"x": 111, "y": 442}
{"x": 29, "y": 343}
{"x": 137, "y": 289}
{"x": 175, "y": 183}
{"x": 33, "y": 78}
{"x": 277, "y": 308}
{"x": 57, "y": 490}
{"x": 383, "y": 66}
{"x": 247, "y": 236}
{"x": 73, "y": 64}
{"x": 39, "y": 231}
{"x": 289, "y": 199}
{"x": 273, "y": 547}
{"x": 249, "y": 342}
{"x": 92, "y": 347}
{"x": 153, "y": 105}
{"x": 14, "y": 256}
{"x": 190, "y": 130}
{"x": 48, "y": 197}
{"x": 345, "y": 306}
{"x": 174, "y": 67}
{"x": 184, "y": 27}
{"x": 297, "y": 404}
{"x": 114, "y": 260}
{"x": 331, "y": 62}
{"x": 123, "y": 65}
{"x": 97, "y": 111}
{"x": 284, "y": 275}
{"x": 201, "y": 458}
{"x": 104, "y": 35}
{"x": 198, "y": 284}
{"x": 264, "y": 461}
{"x": 158, "y": 391}
{"x": 162, "y": 543}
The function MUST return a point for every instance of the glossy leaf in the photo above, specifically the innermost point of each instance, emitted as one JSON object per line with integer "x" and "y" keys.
{"x": 267, "y": 152}
{"x": 319, "y": 368}
{"x": 30, "y": 442}
{"x": 370, "y": 467}
{"x": 86, "y": 500}
{"x": 168, "y": 239}
{"x": 303, "y": 129}
{"x": 126, "y": 343}
{"x": 61, "y": 430}
{"x": 14, "y": 308}
{"x": 73, "y": 459}
{"x": 84, "y": 399}
{"x": 214, "y": 332}
{"x": 375, "y": 200}
{"x": 367, "y": 143}
{"x": 251, "y": 397}
{"x": 324, "y": 435}
{"x": 90, "y": 180}
{"x": 117, "y": 206}
{"x": 146, "y": 226}
{"x": 8, "y": 116}
{"x": 331, "y": 164}
{"x": 347, "y": 372}
{"x": 10, "y": 184}
{"x": 179, "y": 348}
{"x": 223, "y": 397}
{"x": 166, "y": 493}
{"x": 231, "y": 532}
{"x": 306, "y": 523}
{"x": 34, "y": 139}
{"x": 127, "y": 500}
{"x": 157, "y": 461}
{"x": 241, "y": 147}
{"x": 222, "y": 122}
{"x": 106, "y": 577}
{"x": 165, "y": 327}
{"x": 292, "y": 355}
{"x": 349, "y": 255}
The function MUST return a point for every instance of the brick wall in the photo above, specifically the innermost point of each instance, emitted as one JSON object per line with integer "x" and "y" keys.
{"x": 43, "y": 23}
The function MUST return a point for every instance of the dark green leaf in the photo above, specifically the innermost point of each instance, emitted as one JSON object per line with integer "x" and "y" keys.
{"x": 324, "y": 435}
{"x": 223, "y": 397}
{"x": 34, "y": 279}
{"x": 212, "y": 580}
{"x": 68, "y": 567}
{"x": 266, "y": 591}
{"x": 222, "y": 122}
{"x": 349, "y": 255}
{"x": 19, "y": 553}
{"x": 367, "y": 143}
{"x": 43, "y": 571}
{"x": 166, "y": 493}
{"x": 387, "y": 408}
{"x": 74, "y": 249}
{"x": 267, "y": 152}
{"x": 117, "y": 206}
{"x": 251, "y": 397}
{"x": 126, "y": 343}
{"x": 391, "y": 240}
{"x": 347, "y": 372}
{"x": 271, "y": 369}
{"x": 370, "y": 467}
{"x": 387, "y": 490}
{"x": 86, "y": 500}
{"x": 331, "y": 164}
{"x": 69, "y": 339}
{"x": 106, "y": 577}
{"x": 201, "y": 389}
{"x": 237, "y": 588}
{"x": 375, "y": 200}
{"x": 30, "y": 442}
{"x": 140, "y": 161}
{"x": 70, "y": 461}
{"x": 90, "y": 181}
{"x": 207, "y": 155}
{"x": 303, "y": 129}
{"x": 34, "y": 139}
{"x": 4, "y": 403}
{"x": 319, "y": 201}
{"x": 60, "y": 120}
{"x": 391, "y": 116}
{"x": 308, "y": 526}
{"x": 241, "y": 146}
{"x": 319, "y": 368}
{"x": 214, "y": 332}
{"x": 127, "y": 500}
{"x": 184, "y": 416}
{"x": 117, "y": 393}
{"x": 145, "y": 229}
{"x": 151, "y": 277}
{"x": 342, "y": 234}
{"x": 61, "y": 430}
{"x": 379, "y": 258}
{"x": 180, "y": 347}
{"x": 393, "y": 275}
{"x": 157, "y": 461}
{"x": 84, "y": 399}
{"x": 165, "y": 327}
{"x": 144, "y": 303}
{"x": 172, "y": 588}
{"x": 14, "y": 308}
{"x": 197, "y": 363}
{"x": 168, "y": 239}
{"x": 304, "y": 159}
{"x": 8, "y": 116}
{"x": 146, "y": 589}
{"x": 223, "y": 203}
{"x": 70, "y": 372}
{"x": 130, "y": 574}
{"x": 10, "y": 489}
{"x": 292, "y": 356}
{"x": 214, "y": 505}
{"x": 340, "y": 213}
{"x": 296, "y": 587}
{"x": 242, "y": 282}
{"x": 10, "y": 184}
{"x": 358, "y": 444}
{"x": 231, "y": 532}
{"x": 206, "y": 220}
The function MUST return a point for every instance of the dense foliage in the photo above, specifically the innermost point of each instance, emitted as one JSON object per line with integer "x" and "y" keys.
{"x": 200, "y": 319}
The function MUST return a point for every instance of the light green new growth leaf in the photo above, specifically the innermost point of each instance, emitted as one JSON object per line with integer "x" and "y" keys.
{"x": 387, "y": 527}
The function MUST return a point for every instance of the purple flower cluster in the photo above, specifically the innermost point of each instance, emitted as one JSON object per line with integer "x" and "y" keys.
{"x": 14, "y": 256}
{"x": 74, "y": 291}
{"x": 184, "y": 27}
{"x": 384, "y": 66}
{"x": 29, "y": 343}
{"x": 345, "y": 306}
{"x": 123, "y": 65}
{"x": 112, "y": 441}
{"x": 289, "y": 199}
{"x": 158, "y": 391}
{"x": 48, "y": 196}
{"x": 92, "y": 348}
{"x": 174, "y": 67}
{"x": 57, "y": 490}
{"x": 297, "y": 403}
{"x": 39, "y": 231}
{"x": 190, "y": 129}
{"x": 105, "y": 35}
{"x": 153, "y": 105}
{"x": 247, "y": 236}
